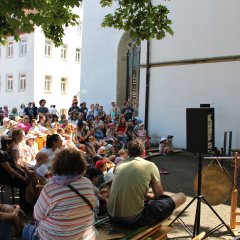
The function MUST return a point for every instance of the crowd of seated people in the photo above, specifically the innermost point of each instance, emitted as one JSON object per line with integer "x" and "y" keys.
{"x": 35, "y": 143}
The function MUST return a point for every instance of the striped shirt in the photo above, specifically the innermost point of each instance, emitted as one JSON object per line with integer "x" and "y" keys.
{"x": 62, "y": 214}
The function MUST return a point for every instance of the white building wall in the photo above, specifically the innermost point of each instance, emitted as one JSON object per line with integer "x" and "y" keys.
{"x": 99, "y": 57}
{"x": 57, "y": 68}
{"x": 16, "y": 65}
{"x": 36, "y": 66}
{"x": 203, "y": 29}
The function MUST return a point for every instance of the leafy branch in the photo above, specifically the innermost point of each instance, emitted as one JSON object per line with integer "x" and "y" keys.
{"x": 143, "y": 20}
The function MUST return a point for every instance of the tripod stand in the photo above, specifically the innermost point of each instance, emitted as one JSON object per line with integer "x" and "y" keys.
{"x": 197, "y": 221}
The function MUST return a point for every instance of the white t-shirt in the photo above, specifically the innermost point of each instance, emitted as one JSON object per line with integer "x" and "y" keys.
{"x": 51, "y": 154}
{"x": 42, "y": 170}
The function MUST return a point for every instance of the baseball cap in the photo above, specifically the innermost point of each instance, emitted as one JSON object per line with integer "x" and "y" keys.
{"x": 108, "y": 177}
{"x": 29, "y": 136}
{"x": 21, "y": 125}
{"x": 12, "y": 123}
{"x": 110, "y": 125}
{"x": 6, "y": 119}
{"x": 101, "y": 149}
{"x": 170, "y": 136}
{"x": 162, "y": 139}
{"x": 109, "y": 146}
{"x": 17, "y": 118}
{"x": 100, "y": 163}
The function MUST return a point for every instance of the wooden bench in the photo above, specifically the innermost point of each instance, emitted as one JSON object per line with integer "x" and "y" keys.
{"x": 108, "y": 230}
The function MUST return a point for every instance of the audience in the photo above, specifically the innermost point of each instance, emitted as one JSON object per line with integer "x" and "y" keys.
{"x": 57, "y": 152}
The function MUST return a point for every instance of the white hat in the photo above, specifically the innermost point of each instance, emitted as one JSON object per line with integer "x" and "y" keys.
{"x": 17, "y": 118}
{"x": 102, "y": 149}
{"x": 162, "y": 139}
{"x": 108, "y": 177}
{"x": 29, "y": 136}
{"x": 12, "y": 123}
{"x": 6, "y": 119}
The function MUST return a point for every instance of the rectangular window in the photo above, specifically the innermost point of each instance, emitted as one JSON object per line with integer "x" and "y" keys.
{"x": 23, "y": 47}
{"x": 10, "y": 49}
{"x": 48, "y": 48}
{"x": 48, "y": 84}
{"x": 64, "y": 52}
{"x": 9, "y": 85}
{"x": 22, "y": 82}
{"x": 78, "y": 55}
{"x": 63, "y": 111}
{"x": 64, "y": 84}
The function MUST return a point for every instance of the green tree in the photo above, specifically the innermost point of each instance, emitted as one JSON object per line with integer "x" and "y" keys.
{"x": 139, "y": 17}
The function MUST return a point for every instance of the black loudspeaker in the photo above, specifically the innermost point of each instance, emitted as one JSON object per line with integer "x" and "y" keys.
{"x": 200, "y": 129}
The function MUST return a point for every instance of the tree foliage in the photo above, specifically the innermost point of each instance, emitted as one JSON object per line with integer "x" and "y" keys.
{"x": 139, "y": 17}
{"x": 18, "y": 16}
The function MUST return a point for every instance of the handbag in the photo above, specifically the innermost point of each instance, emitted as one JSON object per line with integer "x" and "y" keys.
{"x": 81, "y": 196}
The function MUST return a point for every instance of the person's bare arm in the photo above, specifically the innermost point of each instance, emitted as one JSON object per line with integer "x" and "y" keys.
{"x": 11, "y": 171}
{"x": 10, "y": 215}
{"x": 157, "y": 191}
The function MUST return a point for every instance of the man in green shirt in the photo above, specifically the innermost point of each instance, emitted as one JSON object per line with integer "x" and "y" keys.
{"x": 130, "y": 201}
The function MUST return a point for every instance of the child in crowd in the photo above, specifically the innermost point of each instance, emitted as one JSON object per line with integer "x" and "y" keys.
{"x": 130, "y": 130}
{"x": 35, "y": 129}
{"x": 93, "y": 174}
{"x": 41, "y": 167}
{"x": 110, "y": 150}
{"x": 75, "y": 99}
{"x": 104, "y": 165}
{"x": 142, "y": 133}
{"x": 106, "y": 186}
{"x": 31, "y": 149}
{"x": 137, "y": 124}
{"x": 62, "y": 118}
{"x": 163, "y": 147}
{"x": 123, "y": 154}
{"x": 169, "y": 142}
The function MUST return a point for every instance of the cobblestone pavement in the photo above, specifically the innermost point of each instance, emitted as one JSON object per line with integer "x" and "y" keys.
{"x": 182, "y": 169}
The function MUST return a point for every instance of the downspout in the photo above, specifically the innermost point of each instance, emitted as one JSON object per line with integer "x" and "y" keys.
{"x": 147, "y": 85}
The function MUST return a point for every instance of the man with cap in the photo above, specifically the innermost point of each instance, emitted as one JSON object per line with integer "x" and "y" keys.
{"x": 130, "y": 202}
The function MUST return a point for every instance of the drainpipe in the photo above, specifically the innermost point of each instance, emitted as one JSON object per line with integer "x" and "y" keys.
{"x": 147, "y": 85}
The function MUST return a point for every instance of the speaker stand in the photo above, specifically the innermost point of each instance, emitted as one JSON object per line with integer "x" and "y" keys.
{"x": 197, "y": 221}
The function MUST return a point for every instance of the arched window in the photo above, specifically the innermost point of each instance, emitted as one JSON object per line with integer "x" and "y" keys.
{"x": 128, "y": 71}
{"x": 133, "y": 71}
